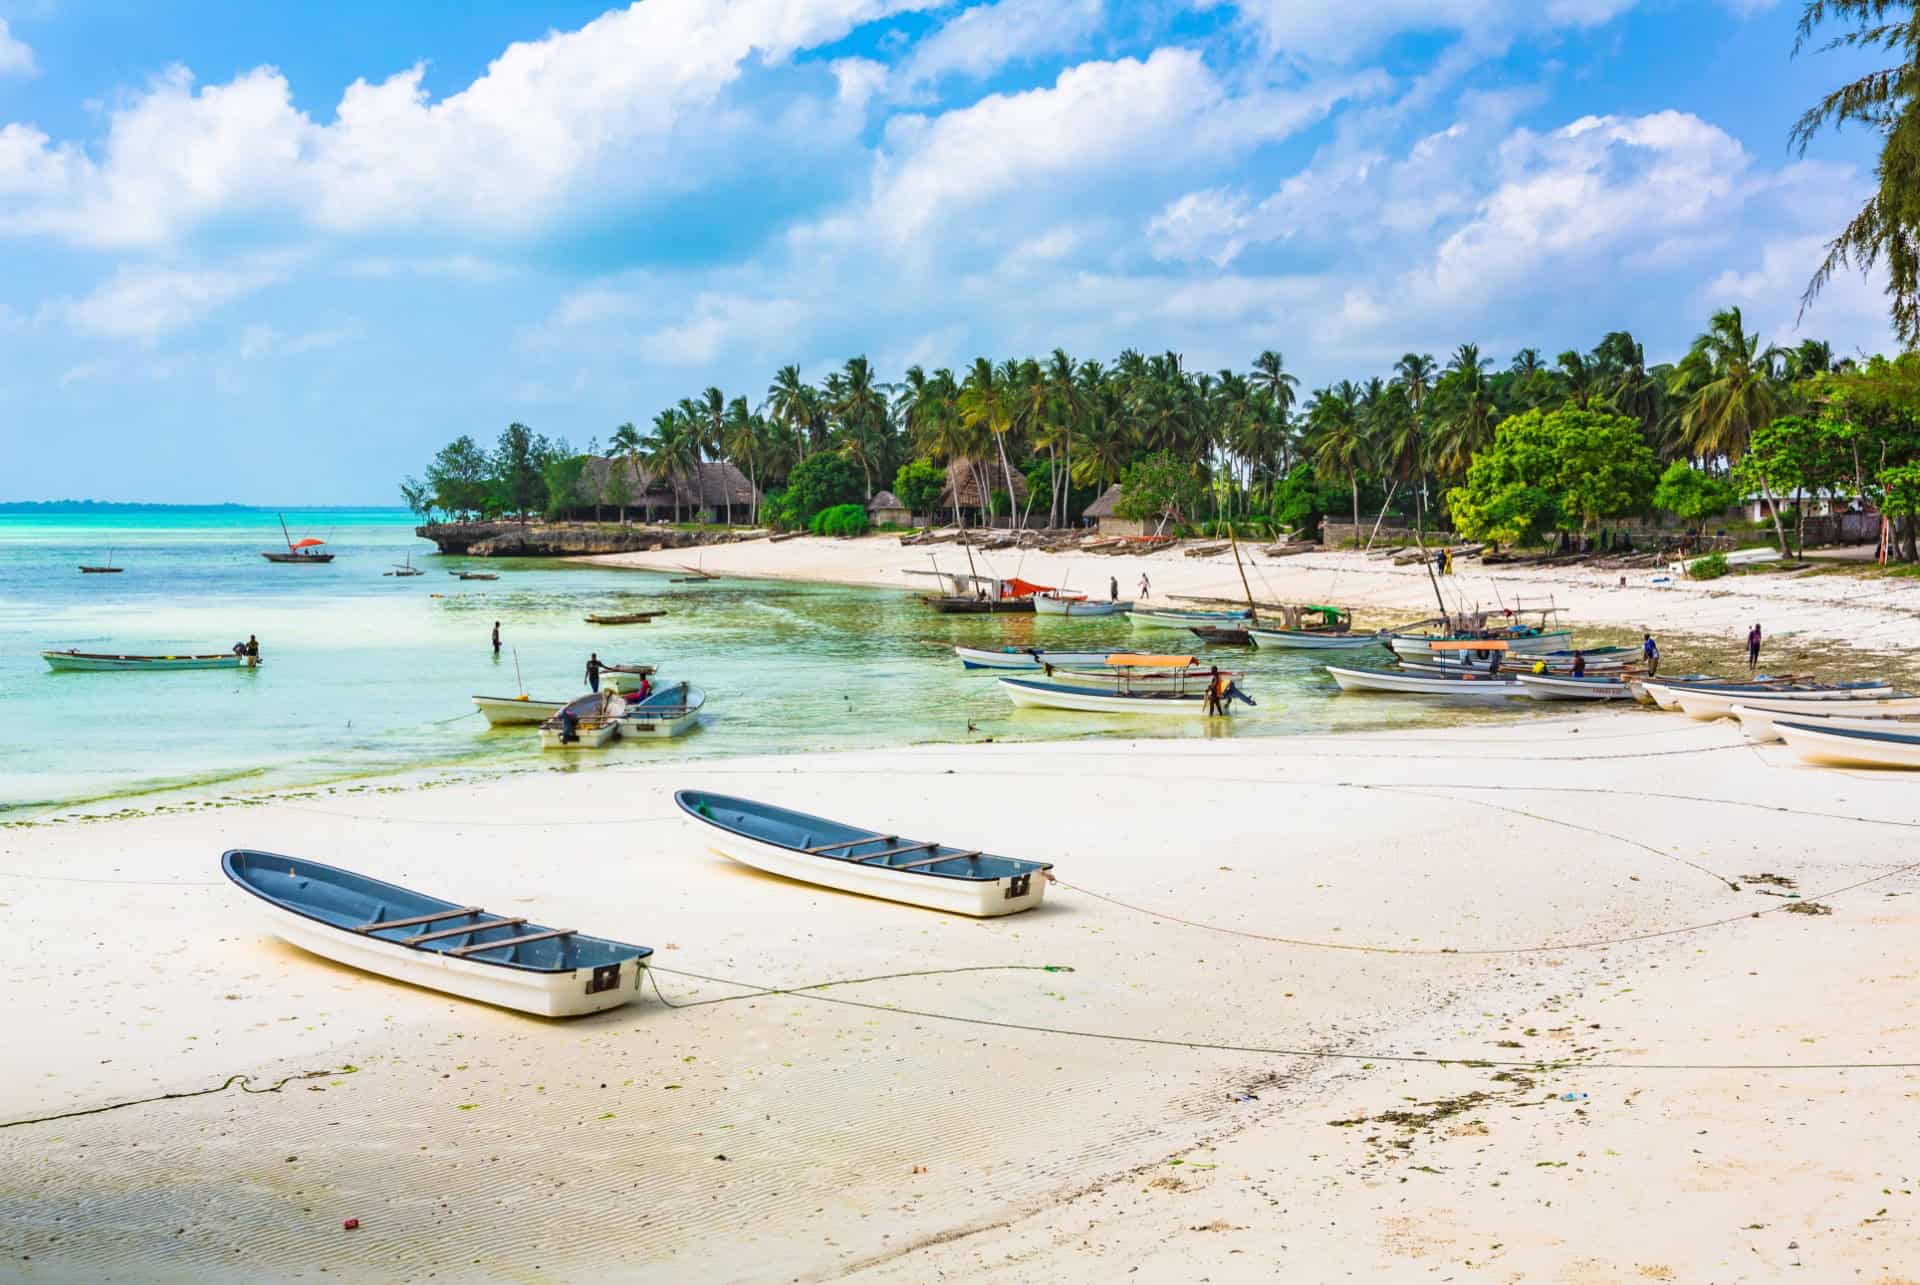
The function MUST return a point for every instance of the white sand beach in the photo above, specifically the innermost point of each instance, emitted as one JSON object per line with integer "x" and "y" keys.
{"x": 1476, "y": 1004}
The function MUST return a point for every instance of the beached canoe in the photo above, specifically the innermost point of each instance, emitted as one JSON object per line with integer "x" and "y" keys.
{"x": 1311, "y": 639}
{"x": 1757, "y": 723}
{"x": 511, "y": 711}
{"x": 666, "y": 712}
{"x": 1565, "y": 687}
{"x": 1851, "y": 747}
{"x": 1142, "y": 699}
{"x": 1707, "y": 704}
{"x": 412, "y": 937}
{"x": 854, "y": 859}
{"x": 1028, "y": 658}
{"x": 1455, "y": 687}
{"x": 623, "y": 618}
{"x": 1665, "y": 692}
{"x": 94, "y": 662}
{"x": 1423, "y": 646}
{"x": 1047, "y": 604}
{"x": 1173, "y": 618}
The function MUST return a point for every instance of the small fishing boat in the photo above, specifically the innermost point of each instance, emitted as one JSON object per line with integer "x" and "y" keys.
{"x": 1027, "y": 658}
{"x": 1222, "y": 635}
{"x": 1850, "y": 746}
{"x": 473, "y": 575}
{"x": 94, "y": 662}
{"x": 405, "y": 569}
{"x": 515, "y": 711}
{"x": 1423, "y": 646}
{"x": 666, "y": 711}
{"x": 1708, "y": 703}
{"x": 1565, "y": 687}
{"x": 695, "y": 575}
{"x": 1311, "y": 639}
{"x": 1176, "y": 618}
{"x": 1757, "y": 724}
{"x": 108, "y": 569}
{"x": 299, "y": 552}
{"x": 1078, "y": 606}
{"x": 585, "y": 722}
{"x": 1456, "y": 687}
{"x": 852, "y": 859}
{"x": 625, "y": 678}
{"x": 1145, "y": 698}
{"x": 411, "y": 937}
{"x": 960, "y": 605}
{"x": 1123, "y": 673}
{"x": 624, "y": 618}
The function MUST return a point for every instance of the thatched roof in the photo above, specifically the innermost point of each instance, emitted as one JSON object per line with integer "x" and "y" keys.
{"x": 1103, "y": 507}
{"x": 712, "y": 485}
{"x": 884, "y": 500}
{"x": 963, "y": 489}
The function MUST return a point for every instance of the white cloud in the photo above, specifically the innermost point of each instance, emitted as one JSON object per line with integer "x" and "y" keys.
{"x": 16, "y": 59}
{"x": 611, "y": 109}
{"x": 1209, "y": 225}
{"x": 1313, "y": 30}
{"x": 144, "y": 303}
{"x": 979, "y": 41}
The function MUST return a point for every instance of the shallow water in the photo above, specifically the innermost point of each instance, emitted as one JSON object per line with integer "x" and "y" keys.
{"x": 366, "y": 674}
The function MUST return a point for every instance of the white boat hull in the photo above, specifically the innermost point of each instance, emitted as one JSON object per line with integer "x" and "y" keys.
{"x": 979, "y": 658}
{"x": 1422, "y": 648}
{"x": 1552, "y": 687}
{"x": 562, "y": 994}
{"x": 1815, "y": 746}
{"x": 635, "y": 727}
{"x": 1455, "y": 689}
{"x": 1308, "y": 640}
{"x": 979, "y": 898}
{"x": 1756, "y": 724}
{"x": 1173, "y": 620}
{"x": 75, "y": 662}
{"x": 506, "y": 711}
{"x": 1707, "y": 706}
{"x": 1031, "y": 695}
{"x": 1079, "y": 608}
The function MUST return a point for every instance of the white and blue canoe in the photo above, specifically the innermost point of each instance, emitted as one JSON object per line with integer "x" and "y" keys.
{"x": 411, "y": 937}
{"x": 869, "y": 863}
{"x": 1565, "y": 687}
{"x": 71, "y": 661}
{"x": 1454, "y": 687}
{"x": 1850, "y": 746}
{"x": 667, "y": 711}
{"x": 1176, "y": 702}
{"x": 1029, "y": 658}
{"x": 1312, "y": 639}
{"x": 1176, "y": 618}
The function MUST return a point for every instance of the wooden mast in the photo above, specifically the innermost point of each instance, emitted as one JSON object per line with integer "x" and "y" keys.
{"x": 1253, "y": 612}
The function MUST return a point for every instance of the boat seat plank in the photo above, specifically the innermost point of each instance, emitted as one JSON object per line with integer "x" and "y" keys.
{"x": 928, "y": 861}
{"x": 545, "y": 935}
{"x": 853, "y": 843}
{"x": 419, "y": 919}
{"x": 892, "y": 852}
{"x": 468, "y": 928}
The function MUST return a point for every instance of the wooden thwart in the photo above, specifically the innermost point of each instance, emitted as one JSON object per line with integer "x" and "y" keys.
{"x": 470, "y": 928}
{"x": 893, "y": 852}
{"x": 854, "y": 843}
{"x": 512, "y": 941}
{"x": 419, "y": 919}
{"x": 928, "y": 861}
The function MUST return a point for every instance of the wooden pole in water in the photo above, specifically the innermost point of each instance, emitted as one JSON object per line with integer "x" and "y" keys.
{"x": 1253, "y": 612}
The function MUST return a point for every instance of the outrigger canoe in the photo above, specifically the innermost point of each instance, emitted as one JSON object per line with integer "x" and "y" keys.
{"x": 870, "y": 863}
{"x": 92, "y": 662}
{"x": 411, "y": 937}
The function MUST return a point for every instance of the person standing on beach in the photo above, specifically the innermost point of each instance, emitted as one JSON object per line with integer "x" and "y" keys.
{"x": 1753, "y": 646}
{"x": 496, "y": 640}
{"x": 1650, "y": 652}
{"x": 1146, "y": 590}
{"x": 593, "y": 672}
{"x": 1113, "y": 588}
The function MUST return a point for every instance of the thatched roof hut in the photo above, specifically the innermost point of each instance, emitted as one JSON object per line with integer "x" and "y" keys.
{"x": 1103, "y": 507}
{"x": 711, "y": 485}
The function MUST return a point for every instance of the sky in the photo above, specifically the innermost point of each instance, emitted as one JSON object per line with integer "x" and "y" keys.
{"x": 279, "y": 254}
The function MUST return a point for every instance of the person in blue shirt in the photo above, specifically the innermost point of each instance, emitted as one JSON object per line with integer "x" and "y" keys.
{"x": 1650, "y": 652}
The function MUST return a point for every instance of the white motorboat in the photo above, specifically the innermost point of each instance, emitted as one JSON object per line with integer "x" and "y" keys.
{"x": 513, "y": 711}
{"x": 1707, "y": 704}
{"x": 1462, "y": 687}
{"x": 1033, "y": 694}
{"x": 1077, "y": 606}
{"x": 870, "y": 863}
{"x": 1143, "y": 673}
{"x": 665, "y": 713}
{"x": 1851, "y": 747}
{"x": 1565, "y": 687}
{"x": 1757, "y": 721}
{"x": 625, "y": 679}
{"x": 586, "y": 722}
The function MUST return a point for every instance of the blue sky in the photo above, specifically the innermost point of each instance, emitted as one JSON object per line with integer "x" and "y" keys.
{"x": 280, "y": 253}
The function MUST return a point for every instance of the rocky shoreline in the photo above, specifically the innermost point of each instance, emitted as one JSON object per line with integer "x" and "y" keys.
{"x": 507, "y": 539}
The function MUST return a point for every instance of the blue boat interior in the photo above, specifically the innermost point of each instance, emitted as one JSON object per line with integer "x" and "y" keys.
{"x": 672, "y": 696}
{"x": 357, "y": 904}
{"x": 836, "y": 841}
{"x": 1854, "y": 733}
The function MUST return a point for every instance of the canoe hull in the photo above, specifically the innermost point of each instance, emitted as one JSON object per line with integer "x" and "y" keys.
{"x": 666, "y": 713}
{"x": 1862, "y": 748}
{"x": 1422, "y": 648}
{"x": 1553, "y": 687}
{"x": 84, "y": 663}
{"x": 1308, "y": 640}
{"x": 505, "y": 711}
{"x": 1757, "y": 724}
{"x": 1709, "y": 705}
{"x": 1037, "y": 695}
{"x": 1453, "y": 689}
{"x": 1182, "y": 620}
{"x": 979, "y": 658}
{"x": 1045, "y": 606}
{"x": 589, "y": 734}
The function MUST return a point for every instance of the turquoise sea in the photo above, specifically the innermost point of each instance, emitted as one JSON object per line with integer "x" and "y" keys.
{"x": 367, "y": 675}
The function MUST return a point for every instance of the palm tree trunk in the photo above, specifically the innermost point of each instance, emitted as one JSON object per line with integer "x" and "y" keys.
{"x": 1353, "y": 479}
{"x": 1006, "y": 467}
{"x": 1779, "y": 531}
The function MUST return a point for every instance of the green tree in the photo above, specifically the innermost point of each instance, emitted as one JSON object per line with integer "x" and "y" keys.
{"x": 1553, "y": 470}
{"x": 459, "y": 479}
{"x": 919, "y": 485}
{"x": 561, "y": 474}
{"x": 418, "y": 496}
{"x": 842, "y": 520}
{"x": 1792, "y": 455}
{"x": 1728, "y": 379}
{"x": 1337, "y": 437}
{"x": 617, "y": 489}
{"x": 1161, "y": 483}
{"x": 519, "y": 483}
{"x": 1899, "y": 488}
{"x": 821, "y": 481}
{"x": 1693, "y": 495}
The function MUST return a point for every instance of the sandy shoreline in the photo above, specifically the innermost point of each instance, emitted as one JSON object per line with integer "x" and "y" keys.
{"x": 1420, "y": 895}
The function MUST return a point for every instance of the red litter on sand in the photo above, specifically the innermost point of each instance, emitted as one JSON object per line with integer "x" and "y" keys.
{"x": 352, "y": 1224}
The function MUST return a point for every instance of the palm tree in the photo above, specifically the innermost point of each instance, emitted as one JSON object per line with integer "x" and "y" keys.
{"x": 984, "y": 403}
{"x": 1582, "y": 379}
{"x": 1469, "y": 419}
{"x": 1730, "y": 380}
{"x": 671, "y": 452}
{"x": 742, "y": 440}
{"x": 1886, "y": 102}
{"x": 627, "y": 444}
{"x": 1270, "y": 377}
{"x": 860, "y": 404}
{"x": 1337, "y": 437}
{"x": 793, "y": 403}
{"x": 1416, "y": 373}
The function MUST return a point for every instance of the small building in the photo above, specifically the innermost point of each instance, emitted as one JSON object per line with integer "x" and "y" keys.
{"x": 711, "y": 491}
{"x": 1107, "y": 522}
{"x": 964, "y": 499}
{"x": 885, "y": 509}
